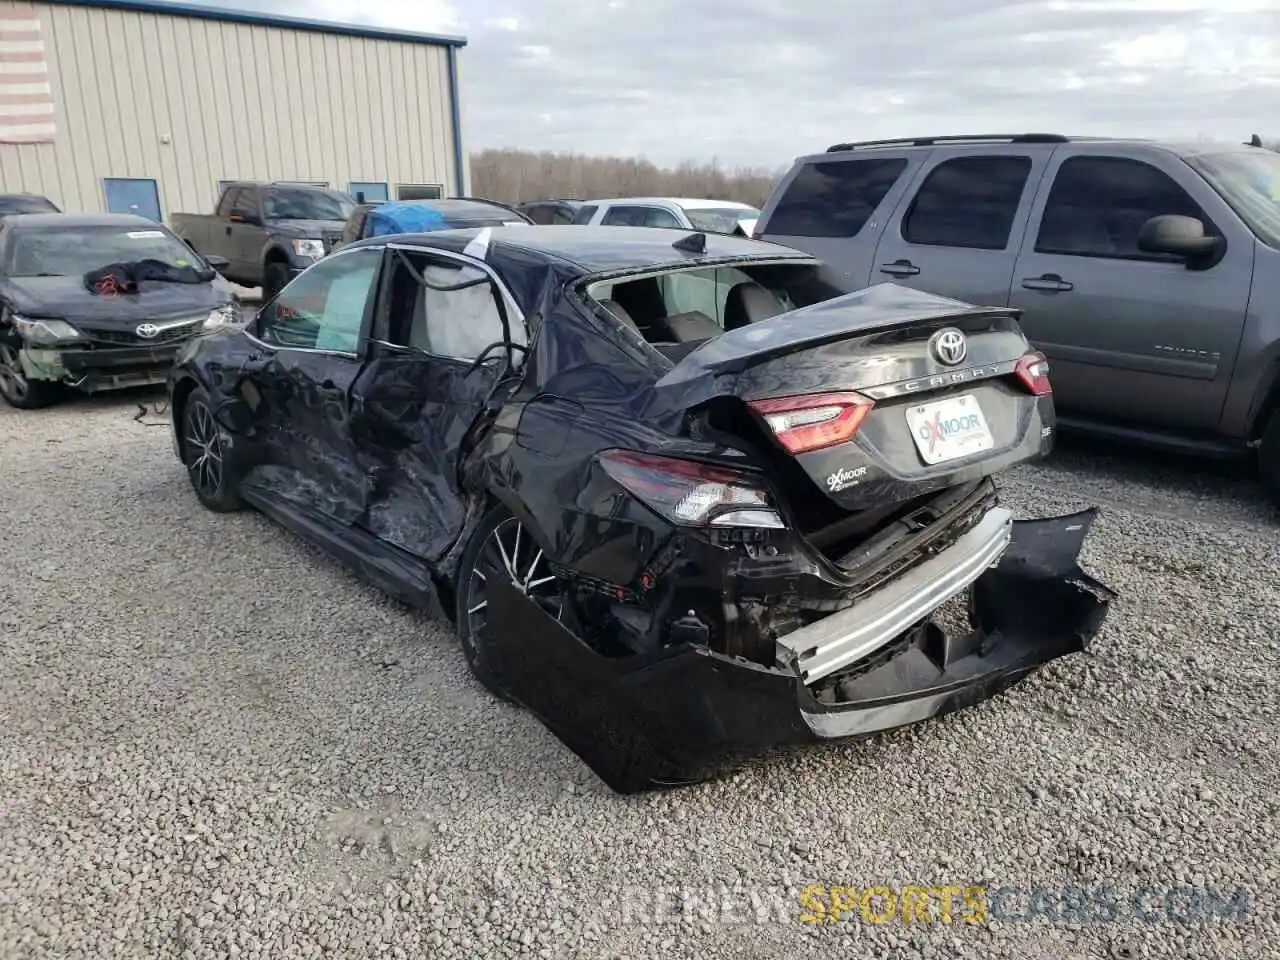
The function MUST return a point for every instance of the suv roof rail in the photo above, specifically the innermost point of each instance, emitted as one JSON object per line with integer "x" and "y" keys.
{"x": 959, "y": 138}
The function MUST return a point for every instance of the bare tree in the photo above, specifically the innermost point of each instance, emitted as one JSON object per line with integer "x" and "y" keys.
{"x": 514, "y": 176}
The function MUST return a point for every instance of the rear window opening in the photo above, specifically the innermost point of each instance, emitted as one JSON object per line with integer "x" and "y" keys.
{"x": 680, "y": 309}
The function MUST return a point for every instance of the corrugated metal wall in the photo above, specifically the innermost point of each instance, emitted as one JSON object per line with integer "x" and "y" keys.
{"x": 189, "y": 102}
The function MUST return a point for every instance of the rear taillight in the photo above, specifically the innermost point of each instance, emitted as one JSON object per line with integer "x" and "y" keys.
{"x": 815, "y": 421}
{"x": 689, "y": 493}
{"x": 1033, "y": 372}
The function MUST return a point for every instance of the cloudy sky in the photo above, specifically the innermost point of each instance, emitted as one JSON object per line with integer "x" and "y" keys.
{"x": 756, "y": 82}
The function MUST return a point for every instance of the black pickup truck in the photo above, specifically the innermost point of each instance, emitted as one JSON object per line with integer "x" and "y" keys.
{"x": 268, "y": 232}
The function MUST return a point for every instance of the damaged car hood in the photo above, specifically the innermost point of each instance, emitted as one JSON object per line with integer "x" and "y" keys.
{"x": 67, "y": 298}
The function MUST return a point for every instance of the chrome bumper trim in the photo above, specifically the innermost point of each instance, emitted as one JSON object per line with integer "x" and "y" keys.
{"x": 834, "y": 642}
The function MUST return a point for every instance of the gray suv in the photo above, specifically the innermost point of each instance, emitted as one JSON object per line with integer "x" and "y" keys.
{"x": 1148, "y": 273}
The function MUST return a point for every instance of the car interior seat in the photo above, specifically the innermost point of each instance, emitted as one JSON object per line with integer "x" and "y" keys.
{"x": 747, "y": 303}
{"x": 615, "y": 308}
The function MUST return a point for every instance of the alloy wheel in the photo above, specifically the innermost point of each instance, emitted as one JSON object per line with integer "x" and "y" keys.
{"x": 203, "y": 452}
{"x": 510, "y": 552}
{"x": 12, "y": 382}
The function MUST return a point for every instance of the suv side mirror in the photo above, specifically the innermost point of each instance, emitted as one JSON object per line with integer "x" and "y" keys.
{"x": 216, "y": 262}
{"x": 1181, "y": 237}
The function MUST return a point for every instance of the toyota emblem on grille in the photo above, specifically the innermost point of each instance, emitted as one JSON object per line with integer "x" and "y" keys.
{"x": 147, "y": 330}
{"x": 949, "y": 346}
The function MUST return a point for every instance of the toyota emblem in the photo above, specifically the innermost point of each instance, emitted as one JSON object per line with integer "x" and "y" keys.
{"x": 949, "y": 346}
{"x": 147, "y": 330}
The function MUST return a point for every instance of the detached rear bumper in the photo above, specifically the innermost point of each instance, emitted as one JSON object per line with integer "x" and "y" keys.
{"x": 101, "y": 368}
{"x": 685, "y": 712}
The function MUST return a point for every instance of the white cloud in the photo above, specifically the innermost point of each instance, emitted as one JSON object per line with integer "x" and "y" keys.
{"x": 757, "y": 82}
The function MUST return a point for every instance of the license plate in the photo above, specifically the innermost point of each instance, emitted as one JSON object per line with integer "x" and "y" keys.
{"x": 949, "y": 429}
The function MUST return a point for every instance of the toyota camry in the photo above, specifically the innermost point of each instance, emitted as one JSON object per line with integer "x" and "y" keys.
{"x": 682, "y": 497}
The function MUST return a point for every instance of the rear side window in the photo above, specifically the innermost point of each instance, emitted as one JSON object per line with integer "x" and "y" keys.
{"x": 1097, "y": 207}
{"x": 968, "y": 202}
{"x": 639, "y": 217}
{"x": 561, "y": 215}
{"x": 228, "y": 201}
{"x": 586, "y": 213}
{"x": 834, "y": 199}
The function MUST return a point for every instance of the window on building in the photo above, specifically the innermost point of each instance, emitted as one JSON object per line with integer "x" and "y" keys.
{"x": 368, "y": 191}
{"x": 834, "y": 199}
{"x": 968, "y": 202}
{"x": 1097, "y": 206}
{"x": 324, "y": 308}
{"x": 419, "y": 191}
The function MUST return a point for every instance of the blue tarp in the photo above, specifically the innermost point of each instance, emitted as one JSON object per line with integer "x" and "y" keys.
{"x": 388, "y": 218}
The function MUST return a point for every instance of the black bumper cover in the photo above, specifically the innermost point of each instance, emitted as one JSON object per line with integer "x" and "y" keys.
{"x": 686, "y": 713}
{"x": 115, "y": 368}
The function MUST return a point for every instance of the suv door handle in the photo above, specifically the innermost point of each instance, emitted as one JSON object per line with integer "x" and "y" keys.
{"x": 900, "y": 268}
{"x": 1048, "y": 281}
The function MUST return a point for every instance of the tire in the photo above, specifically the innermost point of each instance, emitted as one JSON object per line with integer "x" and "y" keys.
{"x": 1269, "y": 458}
{"x": 482, "y": 560}
{"x": 274, "y": 279}
{"x": 19, "y": 392}
{"x": 208, "y": 454}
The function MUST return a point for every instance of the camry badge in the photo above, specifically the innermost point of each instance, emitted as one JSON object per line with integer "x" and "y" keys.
{"x": 949, "y": 346}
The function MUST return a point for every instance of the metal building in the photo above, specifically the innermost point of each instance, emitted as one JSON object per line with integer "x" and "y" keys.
{"x": 147, "y": 107}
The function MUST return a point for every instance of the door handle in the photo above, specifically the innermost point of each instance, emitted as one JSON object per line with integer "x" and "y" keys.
{"x": 900, "y": 268}
{"x": 228, "y": 231}
{"x": 1049, "y": 282}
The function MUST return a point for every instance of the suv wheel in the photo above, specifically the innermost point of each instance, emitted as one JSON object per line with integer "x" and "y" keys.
{"x": 274, "y": 279}
{"x": 1269, "y": 458}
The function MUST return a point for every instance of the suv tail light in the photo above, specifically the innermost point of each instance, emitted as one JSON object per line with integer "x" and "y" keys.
{"x": 1033, "y": 371}
{"x": 815, "y": 421}
{"x": 689, "y": 493}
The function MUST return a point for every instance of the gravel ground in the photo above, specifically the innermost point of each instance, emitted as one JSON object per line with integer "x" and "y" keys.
{"x": 215, "y": 742}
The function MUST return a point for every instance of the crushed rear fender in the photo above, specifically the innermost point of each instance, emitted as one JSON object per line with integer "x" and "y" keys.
{"x": 685, "y": 713}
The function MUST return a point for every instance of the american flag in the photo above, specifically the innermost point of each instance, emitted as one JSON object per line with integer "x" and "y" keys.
{"x": 26, "y": 95}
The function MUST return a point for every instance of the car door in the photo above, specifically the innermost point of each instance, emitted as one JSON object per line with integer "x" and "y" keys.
{"x": 1131, "y": 336}
{"x": 958, "y": 231}
{"x": 311, "y": 341}
{"x": 247, "y": 234}
{"x": 422, "y": 391}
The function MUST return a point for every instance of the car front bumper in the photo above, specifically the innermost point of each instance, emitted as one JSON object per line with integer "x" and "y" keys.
{"x": 100, "y": 368}
{"x": 685, "y": 712}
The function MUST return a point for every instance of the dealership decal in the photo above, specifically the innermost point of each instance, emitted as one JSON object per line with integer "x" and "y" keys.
{"x": 845, "y": 478}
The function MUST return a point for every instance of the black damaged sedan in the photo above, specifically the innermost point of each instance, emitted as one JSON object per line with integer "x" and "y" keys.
{"x": 683, "y": 499}
{"x": 93, "y": 302}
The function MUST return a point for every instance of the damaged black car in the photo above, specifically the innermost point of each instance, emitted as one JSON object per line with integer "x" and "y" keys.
{"x": 682, "y": 498}
{"x": 93, "y": 302}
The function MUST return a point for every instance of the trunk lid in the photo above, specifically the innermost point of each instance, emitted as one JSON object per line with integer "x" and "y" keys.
{"x": 927, "y": 423}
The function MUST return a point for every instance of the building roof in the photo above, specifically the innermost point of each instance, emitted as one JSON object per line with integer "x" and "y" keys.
{"x": 202, "y": 12}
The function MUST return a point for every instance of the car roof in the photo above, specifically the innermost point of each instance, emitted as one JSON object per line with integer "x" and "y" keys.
{"x": 689, "y": 203}
{"x": 462, "y": 206}
{"x": 54, "y": 221}
{"x": 595, "y": 249}
{"x": 1182, "y": 148}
